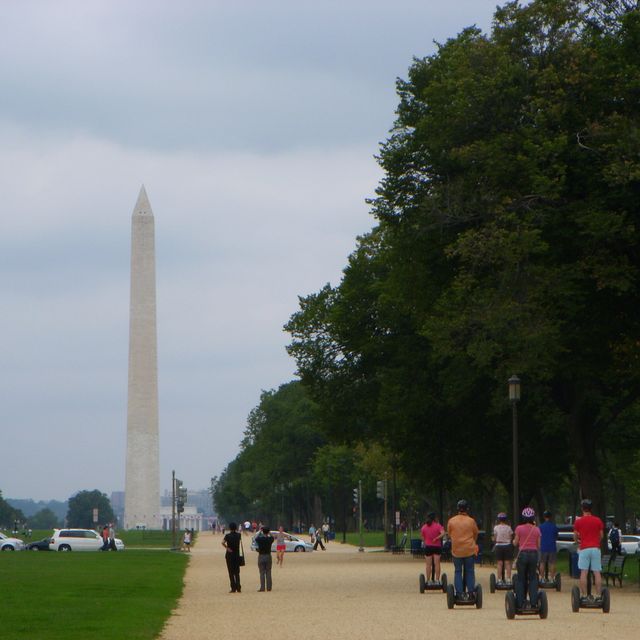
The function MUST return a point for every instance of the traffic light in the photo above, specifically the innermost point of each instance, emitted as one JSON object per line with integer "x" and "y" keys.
{"x": 181, "y": 495}
{"x": 380, "y": 489}
{"x": 356, "y": 496}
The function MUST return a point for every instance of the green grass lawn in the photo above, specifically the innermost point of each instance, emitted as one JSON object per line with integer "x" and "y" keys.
{"x": 80, "y": 596}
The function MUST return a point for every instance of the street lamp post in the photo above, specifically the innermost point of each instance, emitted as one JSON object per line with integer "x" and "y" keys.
{"x": 514, "y": 396}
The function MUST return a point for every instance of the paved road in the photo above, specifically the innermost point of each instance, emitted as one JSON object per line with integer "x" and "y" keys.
{"x": 342, "y": 594}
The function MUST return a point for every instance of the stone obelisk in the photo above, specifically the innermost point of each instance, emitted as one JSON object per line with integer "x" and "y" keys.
{"x": 142, "y": 482}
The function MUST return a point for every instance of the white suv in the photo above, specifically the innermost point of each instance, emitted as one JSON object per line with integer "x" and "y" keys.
{"x": 79, "y": 540}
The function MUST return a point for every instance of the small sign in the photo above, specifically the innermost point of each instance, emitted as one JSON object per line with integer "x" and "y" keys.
{"x": 397, "y": 517}
{"x": 95, "y": 516}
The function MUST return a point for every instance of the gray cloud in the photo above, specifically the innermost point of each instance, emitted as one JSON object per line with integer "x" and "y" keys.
{"x": 253, "y": 126}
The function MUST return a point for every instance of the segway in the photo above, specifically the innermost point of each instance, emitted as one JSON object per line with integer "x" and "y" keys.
{"x": 590, "y": 601}
{"x": 433, "y": 584}
{"x": 541, "y": 607}
{"x": 548, "y": 583}
{"x": 501, "y": 584}
{"x": 465, "y": 598}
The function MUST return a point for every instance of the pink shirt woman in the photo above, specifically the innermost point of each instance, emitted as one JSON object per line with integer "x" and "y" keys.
{"x": 527, "y": 537}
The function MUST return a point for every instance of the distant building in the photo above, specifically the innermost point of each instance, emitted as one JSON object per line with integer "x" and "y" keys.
{"x": 200, "y": 499}
{"x": 117, "y": 505}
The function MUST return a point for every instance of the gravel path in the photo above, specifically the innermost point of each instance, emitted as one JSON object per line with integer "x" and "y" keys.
{"x": 342, "y": 594}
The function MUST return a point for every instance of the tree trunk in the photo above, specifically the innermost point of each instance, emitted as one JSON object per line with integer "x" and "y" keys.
{"x": 582, "y": 438}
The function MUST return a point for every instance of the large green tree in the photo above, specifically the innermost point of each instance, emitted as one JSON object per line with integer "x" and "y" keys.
{"x": 44, "y": 519}
{"x": 8, "y": 515}
{"x": 507, "y": 241}
{"x": 81, "y": 506}
{"x": 271, "y": 476}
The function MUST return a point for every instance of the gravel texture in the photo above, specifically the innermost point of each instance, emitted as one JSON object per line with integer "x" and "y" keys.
{"x": 343, "y": 594}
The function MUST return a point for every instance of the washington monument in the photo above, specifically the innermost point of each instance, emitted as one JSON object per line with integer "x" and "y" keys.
{"x": 142, "y": 482}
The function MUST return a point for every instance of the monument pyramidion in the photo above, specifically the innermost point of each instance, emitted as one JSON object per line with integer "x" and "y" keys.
{"x": 142, "y": 481}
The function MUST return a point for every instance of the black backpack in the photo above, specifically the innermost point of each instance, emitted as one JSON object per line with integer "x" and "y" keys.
{"x": 614, "y": 537}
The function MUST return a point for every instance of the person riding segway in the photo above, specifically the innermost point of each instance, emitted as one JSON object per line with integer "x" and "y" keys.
{"x": 503, "y": 549}
{"x": 463, "y": 532}
{"x": 588, "y": 531}
{"x": 432, "y": 533}
{"x": 527, "y": 539}
{"x": 548, "y": 578}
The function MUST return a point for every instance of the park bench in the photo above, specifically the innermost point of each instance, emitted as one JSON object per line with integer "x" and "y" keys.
{"x": 399, "y": 548}
{"x": 614, "y": 569}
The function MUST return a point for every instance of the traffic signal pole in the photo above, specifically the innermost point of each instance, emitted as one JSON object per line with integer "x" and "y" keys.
{"x": 173, "y": 509}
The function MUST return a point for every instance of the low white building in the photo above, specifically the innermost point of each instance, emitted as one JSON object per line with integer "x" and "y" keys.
{"x": 188, "y": 519}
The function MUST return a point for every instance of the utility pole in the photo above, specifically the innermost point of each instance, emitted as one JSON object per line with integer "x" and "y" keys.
{"x": 173, "y": 509}
{"x": 360, "y": 510}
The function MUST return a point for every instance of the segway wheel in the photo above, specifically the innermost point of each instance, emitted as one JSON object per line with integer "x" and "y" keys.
{"x": 510, "y": 605}
{"x": 606, "y": 601}
{"x": 575, "y": 599}
{"x": 443, "y": 579}
{"x": 558, "y": 582}
{"x": 450, "y": 596}
{"x": 422, "y": 583}
{"x": 543, "y": 605}
{"x": 478, "y": 592}
{"x": 492, "y": 583}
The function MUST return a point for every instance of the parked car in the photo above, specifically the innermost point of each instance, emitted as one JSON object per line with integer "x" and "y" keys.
{"x": 10, "y": 544}
{"x": 79, "y": 540}
{"x": 629, "y": 544}
{"x": 292, "y": 543}
{"x": 565, "y": 541}
{"x": 39, "y": 545}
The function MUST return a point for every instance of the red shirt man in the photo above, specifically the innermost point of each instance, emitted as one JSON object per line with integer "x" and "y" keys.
{"x": 589, "y": 529}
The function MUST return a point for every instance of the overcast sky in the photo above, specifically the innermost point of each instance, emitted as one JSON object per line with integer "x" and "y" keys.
{"x": 253, "y": 125}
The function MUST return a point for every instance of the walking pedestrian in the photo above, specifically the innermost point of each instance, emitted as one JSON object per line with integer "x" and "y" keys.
{"x": 280, "y": 545}
{"x": 325, "y": 532}
{"x": 105, "y": 538}
{"x": 615, "y": 537}
{"x": 186, "y": 541}
{"x": 264, "y": 540}
{"x": 231, "y": 542}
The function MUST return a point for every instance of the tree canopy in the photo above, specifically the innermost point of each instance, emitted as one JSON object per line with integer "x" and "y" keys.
{"x": 81, "y": 506}
{"x": 506, "y": 242}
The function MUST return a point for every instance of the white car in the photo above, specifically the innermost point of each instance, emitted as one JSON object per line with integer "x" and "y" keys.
{"x": 291, "y": 542}
{"x": 79, "y": 540}
{"x": 565, "y": 542}
{"x": 10, "y": 544}
{"x": 629, "y": 544}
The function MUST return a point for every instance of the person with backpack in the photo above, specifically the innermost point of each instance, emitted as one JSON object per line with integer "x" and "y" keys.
{"x": 615, "y": 539}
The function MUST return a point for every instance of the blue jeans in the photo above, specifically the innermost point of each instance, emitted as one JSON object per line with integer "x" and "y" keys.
{"x": 468, "y": 566}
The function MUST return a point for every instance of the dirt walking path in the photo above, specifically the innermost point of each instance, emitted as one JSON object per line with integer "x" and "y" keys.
{"x": 341, "y": 594}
